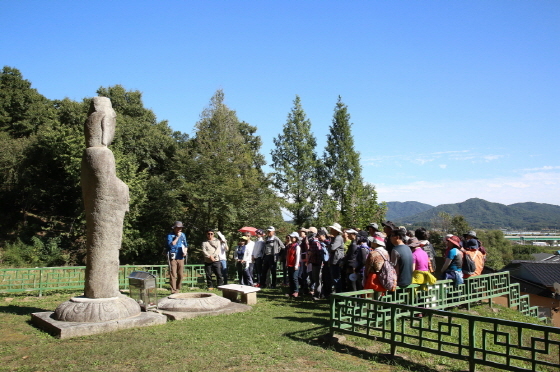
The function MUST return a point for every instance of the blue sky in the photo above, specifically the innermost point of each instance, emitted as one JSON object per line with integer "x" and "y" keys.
{"x": 449, "y": 99}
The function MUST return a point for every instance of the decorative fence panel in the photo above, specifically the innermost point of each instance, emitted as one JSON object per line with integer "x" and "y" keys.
{"x": 502, "y": 344}
{"x": 444, "y": 294}
{"x": 55, "y": 278}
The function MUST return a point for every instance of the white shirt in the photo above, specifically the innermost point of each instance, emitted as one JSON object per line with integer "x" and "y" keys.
{"x": 247, "y": 256}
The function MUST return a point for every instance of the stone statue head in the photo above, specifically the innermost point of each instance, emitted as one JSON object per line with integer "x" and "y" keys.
{"x": 99, "y": 127}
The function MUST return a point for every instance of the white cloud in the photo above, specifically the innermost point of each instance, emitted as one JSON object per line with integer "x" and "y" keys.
{"x": 545, "y": 168}
{"x": 492, "y": 157}
{"x": 443, "y": 166}
{"x": 449, "y": 152}
{"x": 421, "y": 159}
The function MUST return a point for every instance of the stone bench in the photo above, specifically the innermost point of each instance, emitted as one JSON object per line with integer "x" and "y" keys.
{"x": 248, "y": 293}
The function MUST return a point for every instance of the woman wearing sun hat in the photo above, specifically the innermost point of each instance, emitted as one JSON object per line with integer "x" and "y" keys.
{"x": 336, "y": 253}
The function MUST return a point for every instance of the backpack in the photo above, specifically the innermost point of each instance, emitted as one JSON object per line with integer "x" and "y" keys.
{"x": 481, "y": 248}
{"x": 469, "y": 267}
{"x": 325, "y": 250}
{"x": 387, "y": 275}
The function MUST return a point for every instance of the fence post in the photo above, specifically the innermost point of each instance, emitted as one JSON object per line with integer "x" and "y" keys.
{"x": 333, "y": 312}
{"x": 393, "y": 330}
{"x": 40, "y": 283}
{"x": 472, "y": 345}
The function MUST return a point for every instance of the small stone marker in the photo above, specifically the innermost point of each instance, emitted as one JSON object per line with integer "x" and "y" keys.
{"x": 248, "y": 293}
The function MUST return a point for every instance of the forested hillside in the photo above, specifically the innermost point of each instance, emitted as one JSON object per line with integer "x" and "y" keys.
{"x": 214, "y": 179}
{"x": 482, "y": 214}
{"x": 400, "y": 210}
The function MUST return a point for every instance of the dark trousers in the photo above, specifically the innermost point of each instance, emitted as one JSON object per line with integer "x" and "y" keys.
{"x": 257, "y": 267}
{"x": 315, "y": 284}
{"x": 269, "y": 263}
{"x": 335, "y": 277}
{"x": 327, "y": 280}
{"x": 284, "y": 271}
{"x": 303, "y": 275}
{"x": 216, "y": 268}
{"x": 245, "y": 274}
{"x": 293, "y": 275}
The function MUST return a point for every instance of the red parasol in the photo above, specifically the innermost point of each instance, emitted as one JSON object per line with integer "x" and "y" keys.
{"x": 249, "y": 229}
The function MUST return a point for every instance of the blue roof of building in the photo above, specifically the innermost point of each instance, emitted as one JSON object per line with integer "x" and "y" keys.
{"x": 539, "y": 272}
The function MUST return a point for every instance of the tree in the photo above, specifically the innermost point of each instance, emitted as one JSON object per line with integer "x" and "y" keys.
{"x": 442, "y": 222}
{"x": 219, "y": 174}
{"x": 459, "y": 225}
{"x": 500, "y": 250}
{"x": 22, "y": 109}
{"x": 295, "y": 163}
{"x": 343, "y": 194}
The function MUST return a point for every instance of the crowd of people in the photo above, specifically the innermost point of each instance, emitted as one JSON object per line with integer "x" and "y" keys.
{"x": 318, "y": 262}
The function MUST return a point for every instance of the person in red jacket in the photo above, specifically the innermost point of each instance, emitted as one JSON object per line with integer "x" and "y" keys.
{"x": 293, "y": 255}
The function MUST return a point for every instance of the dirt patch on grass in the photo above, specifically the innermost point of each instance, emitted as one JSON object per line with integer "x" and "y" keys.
{"x": 12, "y": 337}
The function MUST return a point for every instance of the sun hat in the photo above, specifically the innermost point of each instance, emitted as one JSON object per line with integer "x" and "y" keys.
{"x": 294, "y": 235}
{"x": 471, "y": 233}
{"x": 379, "y": 240}
{"x": 303, "y": 229}
{"x": 455, "y": 241}
{"x": 351, "y": 231}
{"x": 245, "y": 238}
{"x": 177, "y": 224}
{"x": 389, "y": 224}
{"x": 313, "y": 229}
{"x": 271, "y": 228}
{"x": 221, "y": 236}
{"x": 373, "y": 225}
{"x": 336, "y": 226}
{"x": 413, "y": 243}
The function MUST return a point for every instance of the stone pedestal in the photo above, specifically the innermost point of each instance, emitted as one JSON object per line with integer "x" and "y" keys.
{"x": 64, "y": 329}
{"x": 91, "y": 310}
{"x": 189, "y": 305}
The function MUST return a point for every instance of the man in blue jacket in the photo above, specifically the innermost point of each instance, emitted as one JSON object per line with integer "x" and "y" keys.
{"x": 176, "y": 255}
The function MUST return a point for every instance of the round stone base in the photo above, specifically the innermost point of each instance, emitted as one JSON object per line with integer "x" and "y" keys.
{"x": 193, "y": 302}
{"x": 95, "y": 310}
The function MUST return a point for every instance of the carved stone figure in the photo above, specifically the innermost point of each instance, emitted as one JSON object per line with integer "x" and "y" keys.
{"x": 106, "y": 201}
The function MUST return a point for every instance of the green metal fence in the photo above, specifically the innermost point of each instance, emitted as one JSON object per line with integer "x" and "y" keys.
{"x": 444, "y": 294}
{"x": 55, "y": 278}
{"x": 503, "y": 344}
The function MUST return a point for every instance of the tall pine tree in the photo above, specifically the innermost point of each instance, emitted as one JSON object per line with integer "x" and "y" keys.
{"x": 220, "y": 175}
{"x": 355, "y": 203}
{"x": 295, "y": 163}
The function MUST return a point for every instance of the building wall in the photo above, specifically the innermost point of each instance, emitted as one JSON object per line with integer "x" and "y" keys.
{"x": 540, "y": 301}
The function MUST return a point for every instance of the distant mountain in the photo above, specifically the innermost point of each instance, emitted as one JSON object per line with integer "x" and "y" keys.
{"x": 399, "y": 210}
{"x": 486, "y": 215}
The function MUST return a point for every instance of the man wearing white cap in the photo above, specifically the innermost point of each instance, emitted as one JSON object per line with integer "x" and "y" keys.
{"x": 272, "y": 247}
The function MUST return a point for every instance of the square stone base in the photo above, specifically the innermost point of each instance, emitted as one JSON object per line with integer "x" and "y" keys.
{"x": 60, "y": 329}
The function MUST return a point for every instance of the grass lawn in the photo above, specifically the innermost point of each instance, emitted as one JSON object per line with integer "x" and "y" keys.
{"x": 278, "y": 334}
